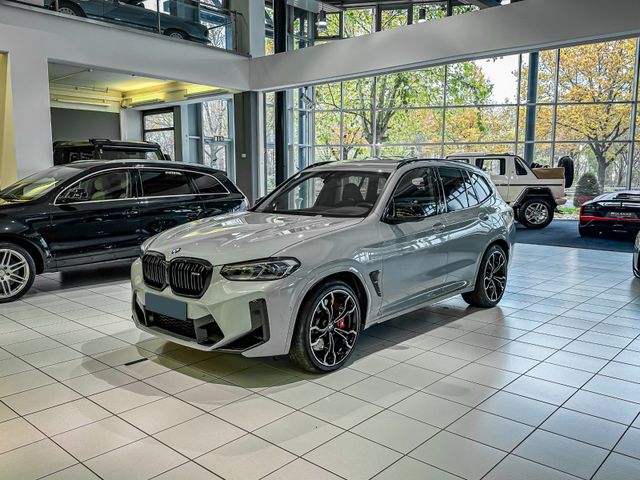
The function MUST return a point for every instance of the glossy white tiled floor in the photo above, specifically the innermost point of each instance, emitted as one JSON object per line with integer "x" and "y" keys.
{"x": 545, "y": 387}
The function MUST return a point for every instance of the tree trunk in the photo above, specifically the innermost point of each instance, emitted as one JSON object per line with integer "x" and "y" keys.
{"x": 602, "y": 170}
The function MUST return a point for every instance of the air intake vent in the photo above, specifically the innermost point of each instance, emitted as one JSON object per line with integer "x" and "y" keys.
{"x": 154, "y": 270}
{"x": 189, "y": 277}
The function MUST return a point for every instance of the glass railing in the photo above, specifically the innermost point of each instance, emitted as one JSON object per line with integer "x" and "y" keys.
{"x": 203, "y": 22}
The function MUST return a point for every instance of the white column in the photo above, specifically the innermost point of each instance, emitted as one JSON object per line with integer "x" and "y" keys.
{"x": 31, "y": 110}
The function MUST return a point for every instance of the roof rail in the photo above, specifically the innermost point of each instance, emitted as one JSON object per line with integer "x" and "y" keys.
{"x": 317, "y": 164}
{"x": 412, "y": 160}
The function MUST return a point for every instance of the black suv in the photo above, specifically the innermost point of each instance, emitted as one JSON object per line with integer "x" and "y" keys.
{"x": 95, "y": 211}
{"x": 103, "y": 149}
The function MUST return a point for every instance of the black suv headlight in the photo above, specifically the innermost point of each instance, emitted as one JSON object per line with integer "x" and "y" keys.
{"x": 260, "y": 270}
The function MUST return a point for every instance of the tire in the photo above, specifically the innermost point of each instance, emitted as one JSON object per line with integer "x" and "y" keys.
{"x": 17, "y": 272}
{"x": 491, "y": 281}
{"x": 170, "y": 32}
{"x": 569, "y": 170}
{"x": 322, "y": 311}
{"x": 535, "y": 213}
{"x": 70, "y": 8}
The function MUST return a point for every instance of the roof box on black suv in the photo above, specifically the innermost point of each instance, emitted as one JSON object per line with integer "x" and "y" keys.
{"x": 104, "y": 149}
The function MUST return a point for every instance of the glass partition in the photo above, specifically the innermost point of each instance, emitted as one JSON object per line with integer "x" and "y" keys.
{"x": 207, "y": 22}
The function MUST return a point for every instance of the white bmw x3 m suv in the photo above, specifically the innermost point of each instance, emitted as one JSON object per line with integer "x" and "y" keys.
{"x": 336, "y": 248}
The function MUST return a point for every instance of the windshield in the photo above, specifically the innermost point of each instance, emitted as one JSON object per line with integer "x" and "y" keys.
{"x": 38, "y": 184}
{"x": 328, "y": 193}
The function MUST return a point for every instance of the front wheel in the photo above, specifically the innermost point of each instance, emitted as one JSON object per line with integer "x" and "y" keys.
{"x": 535, "y": 213}
{"x": 327, "y": 328}
{"x": 491, "y": 281}
{"x": 17, "y": 272}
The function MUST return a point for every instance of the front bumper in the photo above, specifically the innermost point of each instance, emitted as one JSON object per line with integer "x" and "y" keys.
{"x": 252, "y": 318}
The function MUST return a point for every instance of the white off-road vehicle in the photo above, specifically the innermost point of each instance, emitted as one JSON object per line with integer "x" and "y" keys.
{"x": 533, "y": 193}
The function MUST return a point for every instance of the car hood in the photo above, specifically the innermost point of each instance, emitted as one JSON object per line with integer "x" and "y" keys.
{"x": 243, "y": 236}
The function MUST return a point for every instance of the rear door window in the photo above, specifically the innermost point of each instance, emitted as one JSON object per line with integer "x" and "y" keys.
{"x": 164, "y": 183}
{"x": 455, "y": 188}
{"x": 493, "y": 166}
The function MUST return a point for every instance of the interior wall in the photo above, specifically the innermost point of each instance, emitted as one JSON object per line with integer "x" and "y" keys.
{"x": 69, "y": 124}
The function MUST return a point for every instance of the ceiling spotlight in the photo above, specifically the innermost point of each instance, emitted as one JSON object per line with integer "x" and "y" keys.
{"x": 422, "y": 15}
{"x": 321, "y": 23}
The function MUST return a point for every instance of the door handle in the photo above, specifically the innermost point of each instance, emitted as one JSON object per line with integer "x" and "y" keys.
{"x": 438, "y": 227}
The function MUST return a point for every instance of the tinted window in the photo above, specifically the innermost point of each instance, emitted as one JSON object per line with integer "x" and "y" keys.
{"x": 481, "y": 186}
{"x": 520, "y": 168}
{"x": 417, "y": 194}
{"x": 493, "y": 166}
{"x": 112, "y": 185}
{"x": 455, "y": 193}
{"x": 207, "y": 184}
{"x": 159, "y": 183}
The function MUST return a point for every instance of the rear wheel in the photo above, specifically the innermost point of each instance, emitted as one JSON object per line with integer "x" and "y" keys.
{"x": 491, "y": 281}
{"x": 327, "y": 328}
{"x": 176, "y": 34}
{"x": 17, "y": 272}
{"x": 69, "y": 8}
{"x": 535, "y": 213}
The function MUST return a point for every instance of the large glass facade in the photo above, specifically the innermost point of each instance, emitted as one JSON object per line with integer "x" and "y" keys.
{"x": 584, "y": 104}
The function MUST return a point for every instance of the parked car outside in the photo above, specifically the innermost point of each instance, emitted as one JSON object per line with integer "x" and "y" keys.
{"x": 90, "y": 212}
{"x": 103, "y": 149}
{"x": 534, "y": 193}
{"x": 335, "y": 249}
{"x": 617, "y": 212}
{"x": 133, "y": 13}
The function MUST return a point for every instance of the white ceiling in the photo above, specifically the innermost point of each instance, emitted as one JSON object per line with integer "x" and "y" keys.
{"x": 78, "y": 76}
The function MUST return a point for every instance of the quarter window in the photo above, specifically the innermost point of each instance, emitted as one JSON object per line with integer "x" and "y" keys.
{"x": 162, "y": 183}
{"x": 493, "y": 166}
{"x": 207, "y": 184}
{"x": 481, "y": 186}
{"x": 417, "y": 194}
{"x": 114, "y": 185}
{"x": 455, "y": 192}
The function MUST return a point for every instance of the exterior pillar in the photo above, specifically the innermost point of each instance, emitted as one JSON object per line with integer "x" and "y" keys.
{"x": 280, "y": 46}
{"x": 532, "y": 99}
{"x": 31, "y": 110}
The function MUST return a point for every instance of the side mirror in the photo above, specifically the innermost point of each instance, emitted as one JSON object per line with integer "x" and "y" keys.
{"x": 74, "y": 195}
{"x": 404, "y": 212}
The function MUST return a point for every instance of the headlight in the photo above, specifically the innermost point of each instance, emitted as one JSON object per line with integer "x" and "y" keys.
{"x": 258, "y": 270}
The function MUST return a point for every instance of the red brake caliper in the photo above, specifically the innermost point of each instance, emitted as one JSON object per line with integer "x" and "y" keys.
{"x": 339, "y": 323}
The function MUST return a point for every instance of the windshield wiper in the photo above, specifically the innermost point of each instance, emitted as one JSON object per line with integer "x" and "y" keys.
{"x": 9, "y": 196}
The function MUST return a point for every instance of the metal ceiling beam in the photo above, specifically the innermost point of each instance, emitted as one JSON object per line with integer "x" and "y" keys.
{"x": 516, "y": 28}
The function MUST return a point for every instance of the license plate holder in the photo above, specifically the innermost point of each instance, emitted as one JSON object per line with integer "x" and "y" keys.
{"x": 166, "y": 306}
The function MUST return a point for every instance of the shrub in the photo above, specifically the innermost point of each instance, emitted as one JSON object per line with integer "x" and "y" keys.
{"x": 586, "y": 189}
